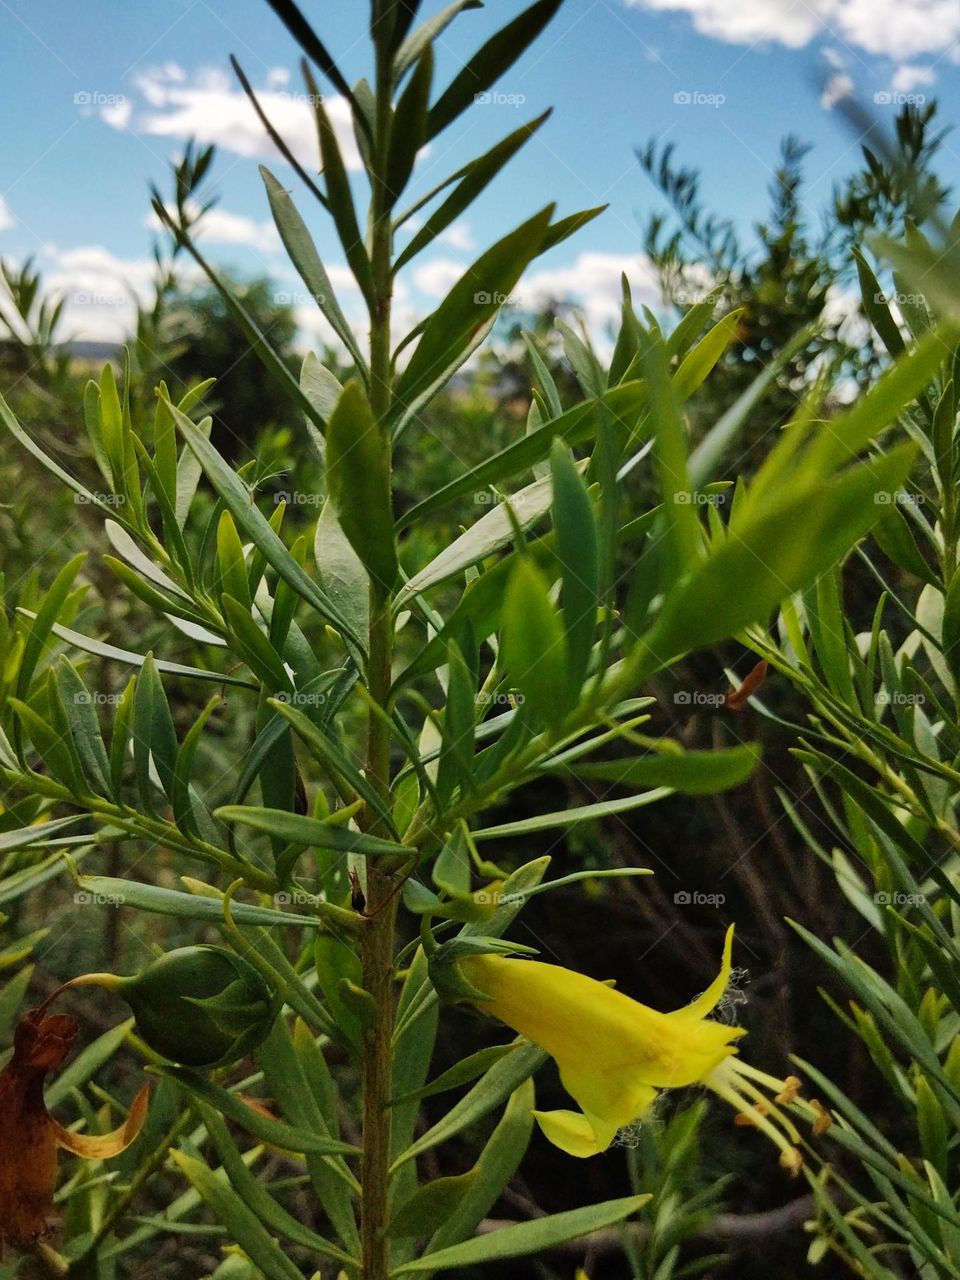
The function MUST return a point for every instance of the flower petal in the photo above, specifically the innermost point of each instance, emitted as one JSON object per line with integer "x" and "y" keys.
{"x": 575, "y": 1133}
{"x": 101, "y": 1146}
{"x": 610, "y": 1098}
{"x": 706, "y": 1003}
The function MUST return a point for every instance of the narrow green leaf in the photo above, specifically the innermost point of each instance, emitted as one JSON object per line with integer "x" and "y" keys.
{"x": 474, "y": 177}
{"x": 43, "y": 622}
{"x": 303, "y": 254}
{"x": 876, "y": 306}
{"x": 333, "y": 758}
{"x": 358, "y": 474}
{"x": 534, "y": 648}
{"x": 154, "y": 736}
{"x": 703, "y": 359}
{"x": 254, "y": 646}
{"x": 626, "y": 402}
{"x": 26, "y": 837}
{"x": 431, "y": 1205}
{"x": 489, "y": 63}
{"x": 414, "y": 44}
{"x": 236, "y": 498}
{"x": 88, "y": 1062}
{"x": 491, "y": 532}
{"x": 689, "y": 772}
{"x": 529, "y": 1237}
{"x": 312, "y": 45}
{"x": 257, "y": 1198}
{"x": 683, "y": 542}
{"x": 464, "y": 1072}
{"x": 299, "y": 829}
{"x": 240, "y": 1223}
{"x": 775, "y": 553}
{"x": 185, "y": 906}
{"x": 262, "y": 1127}
{"x": 568, "y": 818}
{"x": 578, "y": 553}
{"x": 231, "y": 564}
{"x": 499, "y": 1161}
{"x": 341, "y": 203}
{"x": 100, "y": 649}
{"x": 341, "y": 570}
{"x": 486, "y": 1095}
{"x": 181, "y": 798}
{"x": 452, "y": 331}
{"x": 287, "y": 1080}
{"x": 409, "y": 129}
{"x": 321, "y": 387}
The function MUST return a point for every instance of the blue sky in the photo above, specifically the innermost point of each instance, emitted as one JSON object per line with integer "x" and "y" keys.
{"x": 98, "y": 97}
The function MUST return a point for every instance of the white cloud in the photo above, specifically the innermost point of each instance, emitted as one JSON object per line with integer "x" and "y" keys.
{"x": 592, "y": 281}
{"x": 100, "y": 291}
{"x": 746, "y": 21}
{"x": 211, "y": 107}
{"x": 458, "y": 236}
{"x": 117, "y": 115}
{"x": 220, "y": 226}
{"x": 896, "y": 28}
{"x": 910, "y": 77}
{"x": 842, "y": 309}
{"x": 6, "y": 217}
{"x": 438, "y": 276}
{"x": 838, "y": 87}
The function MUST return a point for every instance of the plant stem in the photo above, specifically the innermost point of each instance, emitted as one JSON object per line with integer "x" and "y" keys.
{"x": 377, "y": 943}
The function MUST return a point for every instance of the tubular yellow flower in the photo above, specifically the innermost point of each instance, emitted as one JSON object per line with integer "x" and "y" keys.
{"x": 615, "y": 1054}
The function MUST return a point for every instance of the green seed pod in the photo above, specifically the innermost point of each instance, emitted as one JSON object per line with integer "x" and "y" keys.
{"x": 201, "y": 1006}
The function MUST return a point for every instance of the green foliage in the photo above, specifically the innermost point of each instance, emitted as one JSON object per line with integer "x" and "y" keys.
{"x": 880, "y": 750}
{"x": 386, "y": 678}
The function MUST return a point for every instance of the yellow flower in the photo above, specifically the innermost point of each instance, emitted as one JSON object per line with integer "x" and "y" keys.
{"x": 615, "y": 1054}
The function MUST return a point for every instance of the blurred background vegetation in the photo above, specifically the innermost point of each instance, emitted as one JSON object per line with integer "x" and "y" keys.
{"x": 718, "y": 1209}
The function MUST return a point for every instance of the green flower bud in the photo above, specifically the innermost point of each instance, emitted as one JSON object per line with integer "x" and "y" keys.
{"x": 201, "y": 1006}
{"x": 443, "y": 960}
